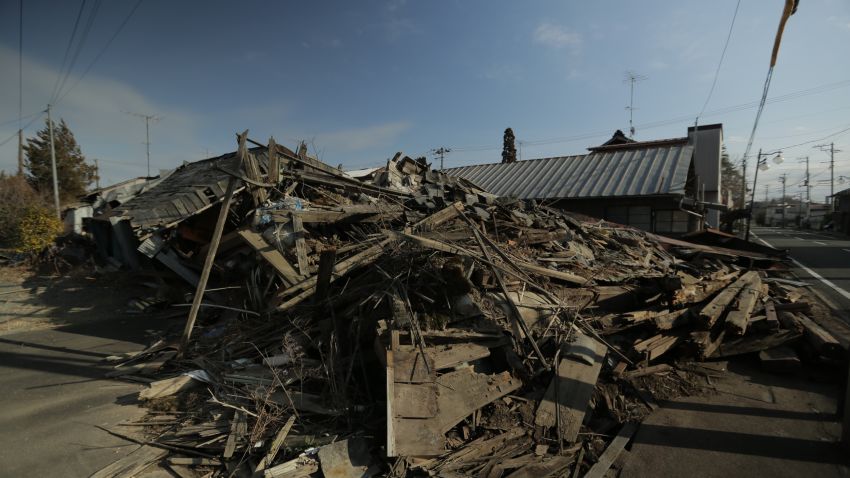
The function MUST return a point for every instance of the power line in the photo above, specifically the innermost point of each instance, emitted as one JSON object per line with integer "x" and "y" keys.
{"x": 86, "y": 29}
{"x": 2, "y": 143}
{"x": 68, "y": 49}
{"x": 441, "y": 152}
{"x": 725, "y": 110}
{"x": 719, "y": 63}
{"x": 103, "y": 50}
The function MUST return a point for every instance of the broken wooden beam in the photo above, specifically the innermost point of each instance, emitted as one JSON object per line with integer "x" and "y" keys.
{"x": 737, "y": 319}
{"x": 714, "y": 309}
{"x": 571, "y": 388}
{"x": 271, "y": 255}
{"x": 609, "y": 456}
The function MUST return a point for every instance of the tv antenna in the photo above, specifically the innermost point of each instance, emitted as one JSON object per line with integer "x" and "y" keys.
{"x": 632, "y": 77}
{"x": 148, "y": 119}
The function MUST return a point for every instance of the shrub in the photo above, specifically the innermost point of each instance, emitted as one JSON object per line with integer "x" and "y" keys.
{"x": 38, "y": 229}
{"x": 26, "y": 221}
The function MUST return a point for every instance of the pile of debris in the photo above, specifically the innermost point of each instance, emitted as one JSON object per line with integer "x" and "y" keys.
{"x": 408, "y": 323}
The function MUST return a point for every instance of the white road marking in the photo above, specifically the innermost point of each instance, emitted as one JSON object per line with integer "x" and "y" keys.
{"x": 818, "y": 242}
{"x": 798, "y": 238}
{"x": 814, "y": 274}
{"x": 846, "y": 250}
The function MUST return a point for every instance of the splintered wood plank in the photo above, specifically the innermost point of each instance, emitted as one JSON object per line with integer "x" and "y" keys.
{"x": 609, "y": 456}
{"x": 737, "y": 320}
{"x": 271, "y": 255}
{"x": 390, "y": 394}
{"x": 570, "y": 390}
{"x": 412, "y": 366}
{"x": 464, "y": 391}
{"x": 448, "y": 356}
{"x": 132, "y": 464}
{"x": 439, "y": 217}
{"x": 824, "y": 342}
{"x": 772, "y": 317}
{"x": 711, "y": 312}
{"x": 544, "y": 467}
{"x": 279, "y": 439}
{"x": 415, "y": 400}
{"x": 274, "y": 162}
{"x": 300, "y": 246}
{"x": 416, "y": 437}
{"x": 460, "y": 393}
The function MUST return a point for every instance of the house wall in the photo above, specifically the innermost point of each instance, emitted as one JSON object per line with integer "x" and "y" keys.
{"x": 661, "y": 215}
{"x": 708, "y": 142}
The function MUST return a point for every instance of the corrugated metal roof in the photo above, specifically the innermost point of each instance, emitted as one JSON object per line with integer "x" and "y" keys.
{"x": 619, "y": 173}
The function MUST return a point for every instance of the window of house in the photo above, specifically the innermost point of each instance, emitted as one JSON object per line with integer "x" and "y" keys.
{"x": 671, "y": 221}
{"x": 637, "y": 216}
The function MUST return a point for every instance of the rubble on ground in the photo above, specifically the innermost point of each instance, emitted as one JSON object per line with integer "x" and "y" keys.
{"x": 408, "y": 323}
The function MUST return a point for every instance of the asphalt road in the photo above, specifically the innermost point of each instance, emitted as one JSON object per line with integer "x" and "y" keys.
{"x": 821, "y": 258}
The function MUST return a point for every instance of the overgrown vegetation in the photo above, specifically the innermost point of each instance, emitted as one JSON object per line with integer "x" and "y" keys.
{"x": 27, "y": 223}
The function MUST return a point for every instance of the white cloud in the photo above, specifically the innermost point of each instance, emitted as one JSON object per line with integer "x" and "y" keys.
{"x": 94, "y": 110}
{"x": 359, "y": 139}
{"x": 556, "y": 36}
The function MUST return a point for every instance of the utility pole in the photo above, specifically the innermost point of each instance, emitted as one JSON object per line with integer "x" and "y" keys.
{"x": 832, "y": 152}
{"x": 148, "y": 119}
{"x": 765, "y": 194}
{"x": 96, "y": 174}
{"x": 53, "y": 165}
{"x": 744, "y": 182}
{"x": 20, "y": 152}
{"x": 441, "y": 152}
{"x": 782, "y": 178}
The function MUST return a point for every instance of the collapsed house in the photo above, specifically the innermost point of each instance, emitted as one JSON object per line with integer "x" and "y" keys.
{"x": 669, "y": 186}
{"x": 409, "y": 323}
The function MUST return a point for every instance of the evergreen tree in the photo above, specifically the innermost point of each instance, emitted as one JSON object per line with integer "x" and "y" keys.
{"x": 508, "y": 148}
{"x": 730, "y": 178}
{"x": 75, "y": 175}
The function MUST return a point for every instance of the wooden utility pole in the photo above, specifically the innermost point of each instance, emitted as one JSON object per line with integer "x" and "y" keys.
{"x": 441, "y": 152}
{"x": 53, "y": 165}
{"x": 20, "y": 152}
{"x": 216, "y": 238}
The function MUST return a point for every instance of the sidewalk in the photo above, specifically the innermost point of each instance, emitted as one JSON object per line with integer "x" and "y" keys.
{"x": 757, "y": 424}
{"x": 52, "y": 375}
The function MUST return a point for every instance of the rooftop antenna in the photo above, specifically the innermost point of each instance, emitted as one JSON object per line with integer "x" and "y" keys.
{"x": 632, "y": 77}
{"x": 148, "y": 119}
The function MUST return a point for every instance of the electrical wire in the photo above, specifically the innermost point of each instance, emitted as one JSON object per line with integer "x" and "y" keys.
{"x": 719, "y": 63}
{"x": 68, "y": 50}
{"x": 103, "y": 50}
{"x": 725, "y": 110}
{"x": 25, "y": 127}
{"x": 80, "y": 44}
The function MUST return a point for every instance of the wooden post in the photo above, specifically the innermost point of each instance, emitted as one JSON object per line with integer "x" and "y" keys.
{"x": 327, "y": 260}
{"x": 274, "y": 163}
{"x": 216, "y": 238}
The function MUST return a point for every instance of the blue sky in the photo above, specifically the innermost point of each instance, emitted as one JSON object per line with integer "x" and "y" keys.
{"x": 362, "y": 80}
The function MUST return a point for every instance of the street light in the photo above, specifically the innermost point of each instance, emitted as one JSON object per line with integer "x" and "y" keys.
{"x": 761, "y": 164}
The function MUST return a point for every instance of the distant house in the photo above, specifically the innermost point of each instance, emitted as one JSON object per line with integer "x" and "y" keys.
{"x": 814, "y": 215}
{"x": 669, "y": 186}
{"x": 841, "y": 216}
